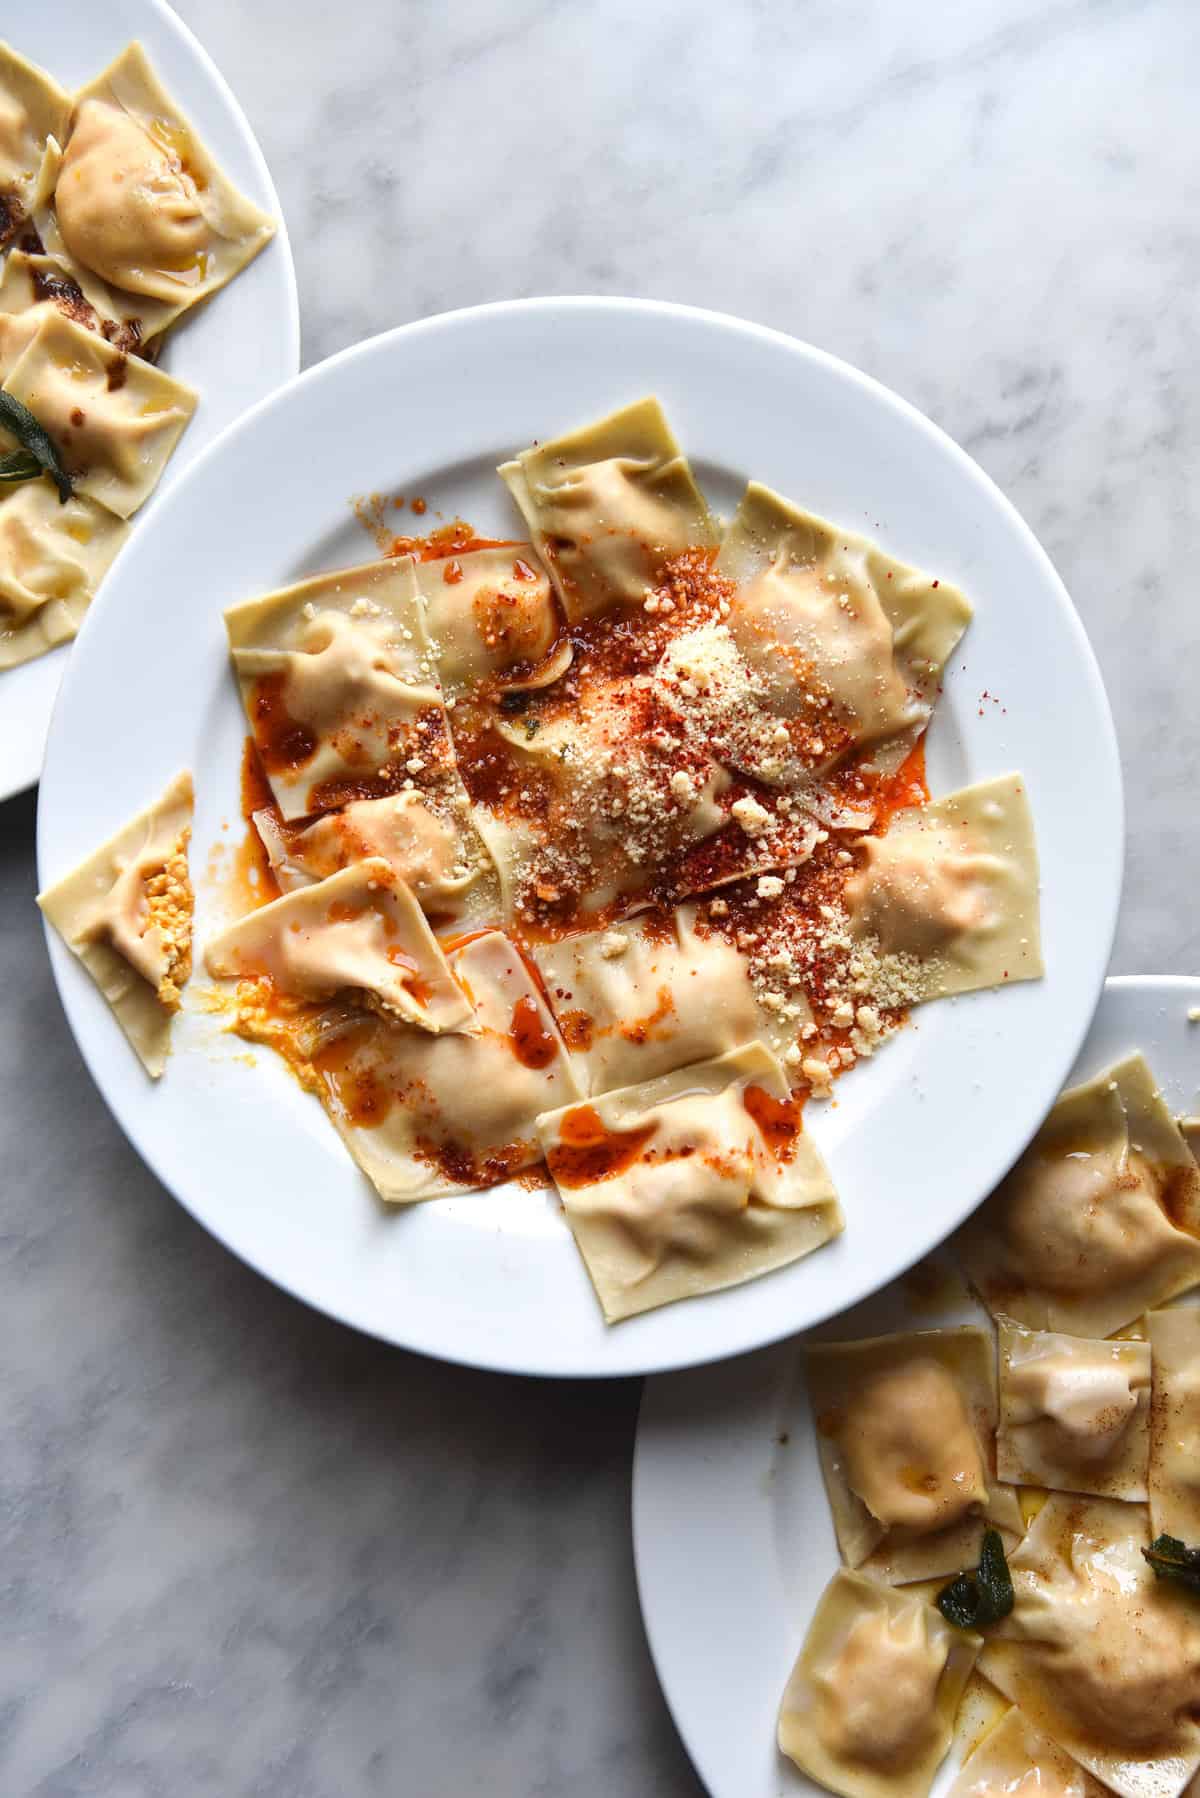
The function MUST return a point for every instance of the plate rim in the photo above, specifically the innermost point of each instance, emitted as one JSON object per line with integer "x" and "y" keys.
{"x": 670, "y": 1358}
{"x": 26, "y": 772}
{"x": 639, "y": 1498}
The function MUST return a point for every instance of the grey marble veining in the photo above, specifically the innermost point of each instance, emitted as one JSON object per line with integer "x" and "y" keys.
{"x": 245, "y": 1551}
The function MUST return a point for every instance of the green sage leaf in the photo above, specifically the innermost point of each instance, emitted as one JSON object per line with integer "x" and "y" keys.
{"x": 20, "y": 466}
{"x": 19, "y": 421}
{"x": 1172, "y": 1560}
{"x": 973, "y": 1600}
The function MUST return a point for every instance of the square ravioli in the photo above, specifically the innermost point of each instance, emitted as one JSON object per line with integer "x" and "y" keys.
{"x": 950, "y": 893}
{"x": 360, "y": 931}
{"x": 1018, "y": 1761}
{"x": 1100, "y": 1218}
{"x": 689, "y": 1183}
{"x": 52, "y": 559}
{"x": 427, "y": 840}
{"x": 608, "y": 505}
{"x": 139, "y": 199}
{"x": 338, "y": 682}
{"x": 1074, "y": 1413}
{"x": 1100, "y": 1655}
{"x": 429, "y": 1116}
{"x": 114, "y": 419}
{"x": 869, "y": 1708}
{"x": 35, "y": 284}
{"x": 843, "y": 644}
{"x": 33, "y": 109}
{"x": 1175, "y": 1422}
{"x": 493, "y": 620}
{"x": 906, "y": 1430}
{"x": 126, "y": 912}
{"x": 647, "y": 997}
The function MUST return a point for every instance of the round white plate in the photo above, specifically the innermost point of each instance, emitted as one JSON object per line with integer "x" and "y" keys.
{"x": 238, "y": 348}
{"x": 429, "y": 410}
{"x": 732, "y": 1534}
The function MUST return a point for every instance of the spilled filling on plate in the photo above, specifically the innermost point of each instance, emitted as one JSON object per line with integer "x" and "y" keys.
{"x": 114, "y": 221}
{"x": 607, "y": 847}
{"x": 1053, "y": 1473}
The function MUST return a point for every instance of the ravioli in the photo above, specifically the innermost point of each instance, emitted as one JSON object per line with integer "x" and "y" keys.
{"x": 1175, "y": 1422}
{"x": 839, "y": 638}
{"x": 1102, "y": 1657}
{"x": 115, "y": 420}
{"x": 1015, "y": 1760}
{"x": 34, "y": 285}
{"x": 338, "y": 682}
{"x": 951, "y": 891}
{"x": 52, "y": 559}
{"x": 360, "y": 929}
{"x": 647, "y": 997}
{"x": 1074, "y": 1413}
{"x": 429, "y": 1116}
{"x": 608, "y": 505}
{"x": 126, "y": 912}
{"x": 428, "y": 841}
{"x": 582, "y": 812}
{"x": 868, "y": 1710}
{"x": 491, "y": 617}
{"x": 689, "y": 1183}
{"x": 140, "y": 200}
{"x": 33, "y": 108}
{"x": 1100, "y": 1218}
{"x": 906, "y": 1433}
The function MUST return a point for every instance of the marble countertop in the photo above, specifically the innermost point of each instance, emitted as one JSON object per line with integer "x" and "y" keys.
{"x": 249, "y": 1552}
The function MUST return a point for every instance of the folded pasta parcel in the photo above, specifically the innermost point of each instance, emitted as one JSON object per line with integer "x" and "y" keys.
{"x": 1074, "y": 1412}
{"x": 492, "y": 619}
{"x": 126, "y": 912}
{"x": 33, "y": 109}
{"x": 52, "y": 557}
{"x": 949, "y": 896}
{"x": 115, "y": 419}
{"x": 843, "y": 643}
{"x": 139, "y": 198}
{"x": 429, "y": 1115}
{"x": 608, "y": 505}
{"x": 360, "y": 930}
{"x": 869, "y": 1707}
{"x": 647, "y": 997}
{"x": 695, "y": 1181}
{"x": 1101, "y": 1656}
{"x": 340, "y": 688}
{"x": 1100, "y": 1218}
{"x": 906, "y": 1430}
{"x": 426, "y": 838}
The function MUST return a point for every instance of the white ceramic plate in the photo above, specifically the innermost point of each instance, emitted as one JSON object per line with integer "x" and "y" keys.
{"x": 732, "y": 1535}
{"x": 239, "y": 347}
{"x": 913, "y": 1140}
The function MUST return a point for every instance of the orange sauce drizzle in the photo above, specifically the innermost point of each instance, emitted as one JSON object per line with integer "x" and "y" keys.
{"x": 532, "y": 1044}
{"x": 780, "y": 1121}
{"x": 284, "y": 743}
{"x": 453, "y": 539}
{"x": 588, "y": 1151}
{"x": 905, "y": 788}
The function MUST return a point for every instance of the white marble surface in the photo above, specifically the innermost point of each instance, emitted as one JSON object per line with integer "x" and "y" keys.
{"x": 246, "y": 1552}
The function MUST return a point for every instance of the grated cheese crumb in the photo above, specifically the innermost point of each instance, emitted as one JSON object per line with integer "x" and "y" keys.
{"x": 753, "y": 818}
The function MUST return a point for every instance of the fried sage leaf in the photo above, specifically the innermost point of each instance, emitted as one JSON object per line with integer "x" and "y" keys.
{"x": 20, "y": 466}
{"x": 38, "y": 454}
{"x": 1172, "y": 1560}
{"x": 973, "y": 1600}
